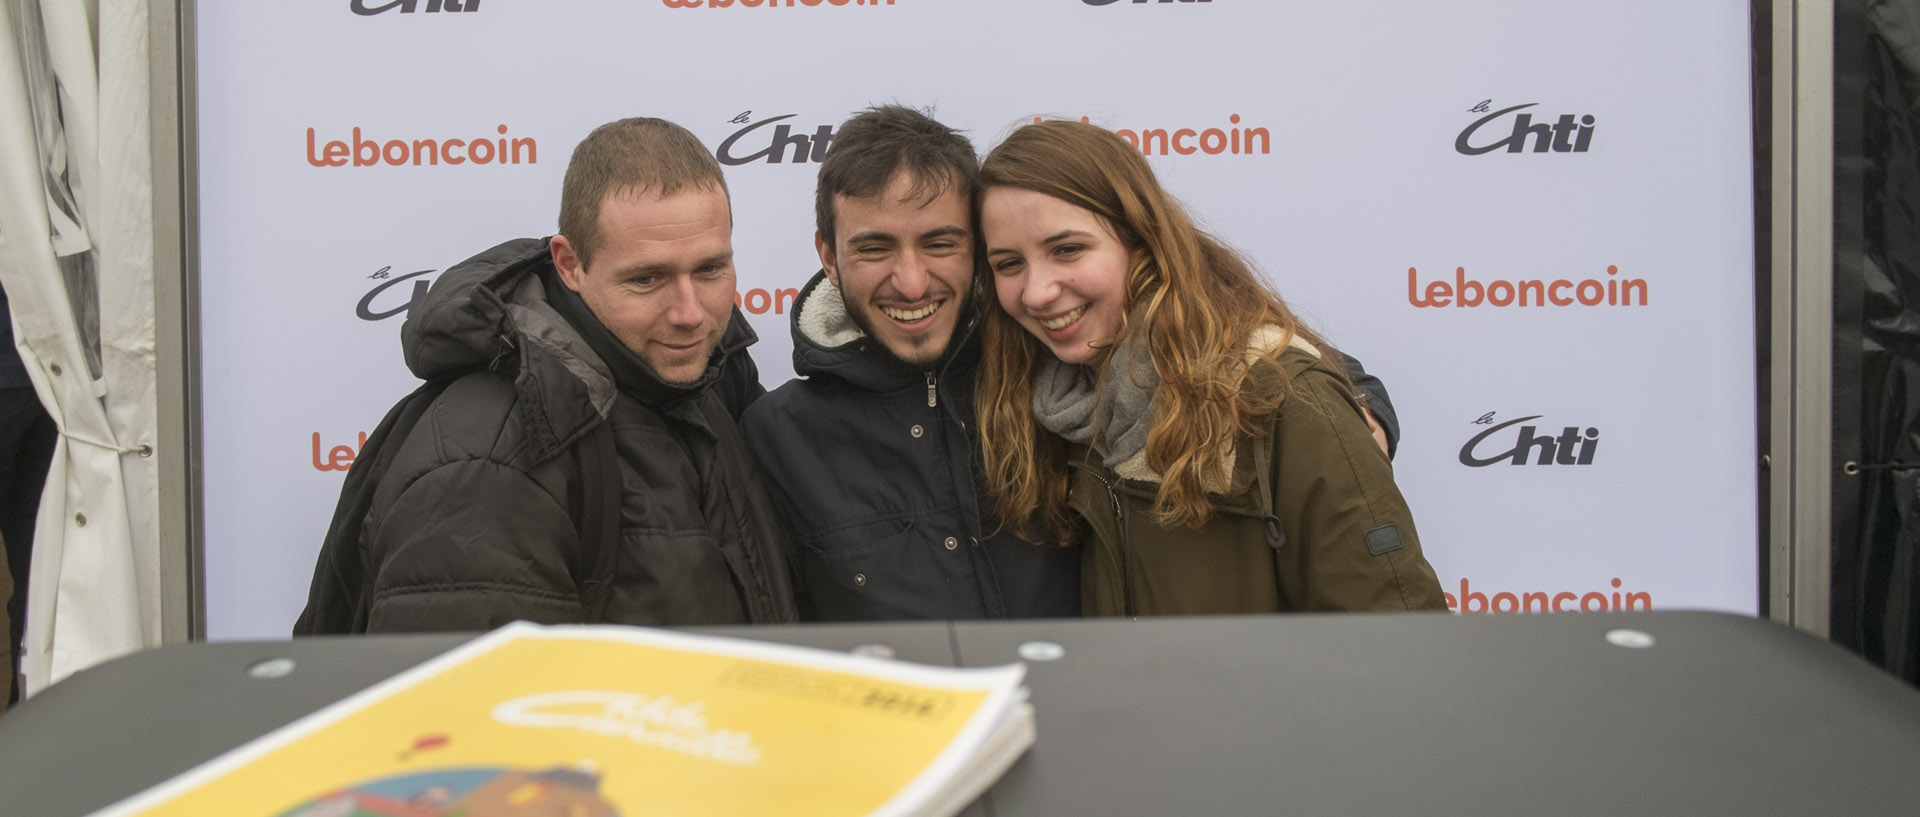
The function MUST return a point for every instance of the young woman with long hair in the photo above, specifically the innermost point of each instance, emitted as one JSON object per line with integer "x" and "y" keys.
{"x": 1145, "y": 395}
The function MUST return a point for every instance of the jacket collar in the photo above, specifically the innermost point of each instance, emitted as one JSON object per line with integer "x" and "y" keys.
{"x": 492, "y": 313}
{"x": 633, "y": 376}
{"x": 827, "y": 341}
{"x": 1246, "y": 461}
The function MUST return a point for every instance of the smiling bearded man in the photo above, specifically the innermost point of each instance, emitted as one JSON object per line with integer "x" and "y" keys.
{"x": 869, "y": 458}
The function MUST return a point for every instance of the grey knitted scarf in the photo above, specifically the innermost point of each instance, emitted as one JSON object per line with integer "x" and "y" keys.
{"x": 1067, "y": 402}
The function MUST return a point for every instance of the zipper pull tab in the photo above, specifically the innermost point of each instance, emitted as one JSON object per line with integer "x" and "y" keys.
{"x": 1113, "y": 498}
{"x": 933, "y": 393}
{"x": 506, "y": 350}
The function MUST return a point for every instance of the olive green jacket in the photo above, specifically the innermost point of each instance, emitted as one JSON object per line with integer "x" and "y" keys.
{"x": 1309, "y": 521}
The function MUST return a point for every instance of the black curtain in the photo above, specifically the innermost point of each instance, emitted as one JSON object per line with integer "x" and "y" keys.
{"x": 1876, "y": 441}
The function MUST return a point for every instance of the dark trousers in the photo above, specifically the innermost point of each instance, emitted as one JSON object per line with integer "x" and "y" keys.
{"x": 27, "y": 435}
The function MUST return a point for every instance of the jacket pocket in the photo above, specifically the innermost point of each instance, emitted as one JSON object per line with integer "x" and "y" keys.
{"x": 880, "y": 570}
{"x": 856, "y": 538}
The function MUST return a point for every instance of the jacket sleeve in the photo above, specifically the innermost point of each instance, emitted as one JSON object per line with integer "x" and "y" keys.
{"x": 1377, "y": 401}
{"x": 760, "y": 428}
{"x": 471, "y": 545}
{"x": 1350, "y": 538}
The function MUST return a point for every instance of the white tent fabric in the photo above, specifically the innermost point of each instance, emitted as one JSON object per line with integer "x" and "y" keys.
{"x": 123, "y": 230}
{"x": 74, "y": 193}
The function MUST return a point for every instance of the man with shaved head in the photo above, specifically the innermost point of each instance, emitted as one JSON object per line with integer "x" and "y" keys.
{"x": 606, "y": 361}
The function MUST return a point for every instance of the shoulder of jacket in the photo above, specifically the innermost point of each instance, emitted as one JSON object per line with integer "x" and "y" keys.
{"x": 776, "y": 410}
{"x": 477, "y": 416}
{"x": 1271, "y": 376}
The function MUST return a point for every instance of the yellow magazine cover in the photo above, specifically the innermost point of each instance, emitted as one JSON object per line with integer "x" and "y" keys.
{"x": 614, "y": 721}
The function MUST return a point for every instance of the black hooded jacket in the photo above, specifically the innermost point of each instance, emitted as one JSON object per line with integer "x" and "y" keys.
{"x": 872, "y": 464}
{"x": 469, "y": 526}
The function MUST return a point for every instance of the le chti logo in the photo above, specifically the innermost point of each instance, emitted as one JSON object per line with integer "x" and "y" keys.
{"x": 754, "y": 4}
{"x": 1470, "y": 600}
{"x": 362, "y": 151}
{"x": 397, "y": 295}
{"x": 377, "y": 305}
{"x": 1572, "y": 446}
{"x": 362, "y": 7}
{"x": 1568, "y": 133}
{"x": 780, "y": 145}
{"x": 1231, "y": 140}
{"x": 1466, "y": 293}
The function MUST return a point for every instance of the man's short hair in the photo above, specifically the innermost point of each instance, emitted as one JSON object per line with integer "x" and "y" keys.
{"x": 630, "y": 157}
{"x": 883, "y": 140}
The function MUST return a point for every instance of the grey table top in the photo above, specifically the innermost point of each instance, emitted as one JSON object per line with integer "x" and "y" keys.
{"x": 1308, "y": 715}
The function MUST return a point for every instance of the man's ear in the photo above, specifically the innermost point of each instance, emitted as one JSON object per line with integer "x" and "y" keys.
{"x": 825, "y": 249}
{"x": 566, "y": 262}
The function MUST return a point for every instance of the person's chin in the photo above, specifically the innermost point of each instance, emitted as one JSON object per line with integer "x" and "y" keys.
{"x": 1063, "y": 352}
{"x": 681, "y": 368}
{"x": 685, "y": 376}
{"x": 922, "y": 346}
{"x": 920, "y": 355}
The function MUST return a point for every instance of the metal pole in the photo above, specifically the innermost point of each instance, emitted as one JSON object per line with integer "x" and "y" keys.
{"x": 1801, "y": 461}
{"x": 169, "y": 36}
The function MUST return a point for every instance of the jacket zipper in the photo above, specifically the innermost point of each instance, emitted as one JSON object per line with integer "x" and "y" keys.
{"x": 1126, "y": 563}
{"x": 985, "y": 578}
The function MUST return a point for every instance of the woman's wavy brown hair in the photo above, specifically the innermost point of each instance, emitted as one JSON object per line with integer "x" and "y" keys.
{"x": 1196, "y": 302}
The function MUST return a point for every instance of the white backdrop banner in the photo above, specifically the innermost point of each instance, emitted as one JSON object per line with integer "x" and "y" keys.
{"x": 1535, "y": 223}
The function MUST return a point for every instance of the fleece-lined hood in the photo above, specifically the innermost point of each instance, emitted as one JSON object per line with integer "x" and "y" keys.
{"x": 827, "y": 341}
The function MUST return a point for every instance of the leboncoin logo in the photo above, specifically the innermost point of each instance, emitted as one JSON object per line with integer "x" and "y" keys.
{"x": 1565, "y": 134}
{"x": 754, "y": 4}
{"x": 360, "y": 7}
{"x": 367, "y": 150}
{"x": 1547, "y": 601}
{"x": 1139, "y": 2}
{"x": 338, "y": 457}
{"x": 761, "y": 301}
{"x": 1467, "y": 292}
{"x": 1228, "y": 138}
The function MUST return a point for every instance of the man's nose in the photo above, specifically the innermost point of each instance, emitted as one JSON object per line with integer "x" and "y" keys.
{"x": 683, "y": 304}
{"x": 910, "y": 276}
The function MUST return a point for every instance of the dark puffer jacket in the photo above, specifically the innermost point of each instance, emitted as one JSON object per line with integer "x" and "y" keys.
{"x": 469, "y": 526}
{"x": 872, "y": 464}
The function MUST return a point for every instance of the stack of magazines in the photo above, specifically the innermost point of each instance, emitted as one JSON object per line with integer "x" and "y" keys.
{"x": 627, "y": 722}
